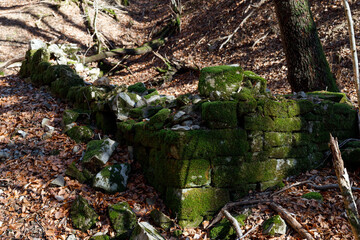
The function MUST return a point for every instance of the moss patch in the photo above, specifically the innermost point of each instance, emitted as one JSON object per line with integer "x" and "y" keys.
{"x": 82, "y": 215}
{"x": 313, "y": 195}
{"x": 122, "y": 218}
{"x": 220, "y": 114}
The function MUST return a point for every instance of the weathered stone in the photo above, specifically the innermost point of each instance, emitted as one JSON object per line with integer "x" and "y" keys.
{"x": 161, "y": 220}
{"x": 82, "y": 215}
{"x": 112, "y": 179}
{"x": 157, "y": 121}
{"x": 74, "y": 172}
{"x": 274, "y": 226}
{"x": 224, "y": 229}
{"x": 98, "y": 153}
{"x": 58, "y": 182}
{"x": 123, "y": 219}
{"x": 220, "y": 81}
{"x": 80, "y": 133}
{"x": 138, "y": 88}
{"x": 192, "y": 204}
{"x": 144, "y": 231}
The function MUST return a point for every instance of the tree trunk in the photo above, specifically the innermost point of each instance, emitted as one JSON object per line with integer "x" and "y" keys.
{"x": 308, "y": 69}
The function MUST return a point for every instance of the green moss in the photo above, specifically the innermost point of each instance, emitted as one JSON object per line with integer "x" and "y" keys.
{"x": 274, "y": 139}
{"x": 202, "y": 144}
{"x": 82, "y": 215}
{"x": 245, "y": 107}
{"x": 112, "y": 179}
{"x": 313, "y": 195}
{"x": 288, "y": 152}
{"x": 254, "y": 81}
{"x": 153, "y": 93}
{"x": 276, "y": 109}
{"x": 69, "y": 116}
{"x": 224, "y": 230}
{"x": 257, "y": 122}
{"x": 80, "y": 134}
{"x": 65, "y": 78}
{"x": 157, "y": 121}
{"x": 161, "y": 219}
{"x": 351, "y": 156}
{"x": 138, "y": 88}
{"x": 100, "y": 237}
{"x": 288, "y": 124}
{"x": 122, "y": 218}
{"x": 192, "y": 204}
{"x": 234, "y": 160}
{"x": 74, "y": 172}
{"x": 93, "y": 158}
{"x": 136, "y": 113}
{"x": 223, "y": 79}
{"x": 273, "y": 225}
{"x": 183, "y": 100}
{"x": 220, "y": 114}
{"x": 187, "y": 173}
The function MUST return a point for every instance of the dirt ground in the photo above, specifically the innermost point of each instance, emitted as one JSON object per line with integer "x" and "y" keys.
{"x": 30, "y": 210}
{"x": 205, "y": 25}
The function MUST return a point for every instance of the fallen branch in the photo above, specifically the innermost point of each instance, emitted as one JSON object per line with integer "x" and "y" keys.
{"x": 344, "y": 183}
{"x": 233, "y": 204}
{"x": 292, "y": 185}
{"x": 10, "y": 62}
{"x": 241, "y": 24}
{"x": 291, "y": 221}
{"x": 234, "y": 222}
{"x": 250, "y": 231}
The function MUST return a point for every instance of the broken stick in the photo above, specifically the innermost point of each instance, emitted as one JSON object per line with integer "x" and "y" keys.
{"x": 345, "y": 187}
{"x": 292, "y": 221}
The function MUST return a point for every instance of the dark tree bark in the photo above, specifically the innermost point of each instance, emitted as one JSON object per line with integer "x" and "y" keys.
{"x": 308, "y": 69}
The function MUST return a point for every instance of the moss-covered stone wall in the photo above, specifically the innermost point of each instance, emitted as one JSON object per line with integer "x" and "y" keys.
{"x": 235, "y": 142}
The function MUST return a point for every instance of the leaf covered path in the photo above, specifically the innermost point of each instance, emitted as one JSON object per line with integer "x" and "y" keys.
{"x": 29, "y": 207}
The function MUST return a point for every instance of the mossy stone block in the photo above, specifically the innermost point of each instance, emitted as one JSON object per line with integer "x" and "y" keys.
{"x": 276, "y": 108}
{"x": 254, "y": 82}
{"x": 207, "y": 144}
{"x": 65, "y": 79}
{"x": 275, "y": 139}
{"x": 123, "y": 219}
{"x": 351, "y": 156}
{"x": 80, "y": 134}
{"x": 157, "y": 121}
{"x": 190, "y": 205}
{"x": 98, "y": 153}
{"x": 83, "y": 216}
{"x": 224, "y": 230}
{"x": 112, "y": 179}
{"x": 220, "y": 114}
{"x": 256, "y": 140}
{"x": 288, "y": 152}
{"x": 258, "y": 122}
{"x": 234, "y": 160}
{"x": 74, "y": 172}
{"x": 288, "y": 124}
{"x": 245, "y": 107}
{"x": 251, "y": 172}
{"x": 220, "y": 81}
{"x": 138, "y": 88}
{"x": 69, "y": 116}
{"x": 299, "y": 107}
{"x": 187, "y": 173}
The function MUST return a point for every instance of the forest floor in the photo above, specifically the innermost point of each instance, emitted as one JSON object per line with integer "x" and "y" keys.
{"x": 31, "y": 209}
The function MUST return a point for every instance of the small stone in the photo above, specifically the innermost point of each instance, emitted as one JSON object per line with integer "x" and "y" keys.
{"x": 113, "y": 178}
{"x": 58, "y": 182}
{"x": 76, "y": 148}
{"x": 49, "y": 129}
{"x": 274, "y": 226}
{"x": 122, "y": 218}
{"x": 145, "y": 231}
{"x": 45, "y": 122}
{"x": 37, "y": 44}
{"x": 187, "y": 123}
{"x": 177, "y": 127}
{"x": 4, "y": 154}
{"x": 21, "y": 133}
{"x": 161, "y": 219}
{"x": 46, "y": 135}
{"x": 82, "y": 215}
{"x": 71, "y": 237}
{"x": 195, "y": 127}
{"x": 103, "y": 81}
{"x": 59, "y": 198}
{"x": 178, "y": 115}
{"x": 69, "y": 126}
